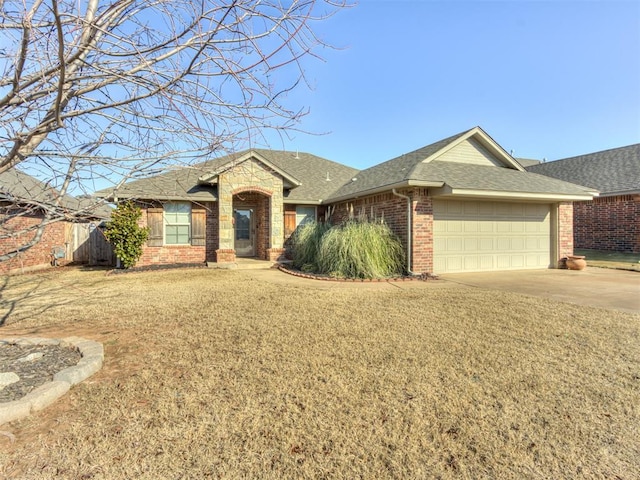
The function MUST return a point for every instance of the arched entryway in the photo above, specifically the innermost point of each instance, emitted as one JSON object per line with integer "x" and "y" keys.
{"x": 251, "y": 228}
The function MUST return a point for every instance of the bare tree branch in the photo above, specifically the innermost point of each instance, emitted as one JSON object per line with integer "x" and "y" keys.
{"x": 94, "y": 93}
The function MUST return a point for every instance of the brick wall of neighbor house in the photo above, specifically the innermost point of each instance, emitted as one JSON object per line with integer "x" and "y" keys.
{"x": 608, "y": 223}
{"x": 565, "y": 231}
{"x": 36, "y": 257}
{"x": 176, "y": 254}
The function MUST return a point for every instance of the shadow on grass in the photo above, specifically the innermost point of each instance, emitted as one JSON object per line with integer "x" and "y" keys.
{"x": 33, "y": 294}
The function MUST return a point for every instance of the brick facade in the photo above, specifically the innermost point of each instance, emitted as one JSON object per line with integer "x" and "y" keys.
{"x": 387, "y": 207}
{"x": 422, "y": 244}
{"x": 36, "y": 257}
{"x": 176, "y": 254}
{"x": 392, "y": 209}
{"x": 565, "y": 231}
{"x": 608, "y": 223}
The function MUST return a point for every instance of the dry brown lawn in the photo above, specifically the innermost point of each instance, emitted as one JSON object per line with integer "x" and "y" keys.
{"x": 224, "y": 374}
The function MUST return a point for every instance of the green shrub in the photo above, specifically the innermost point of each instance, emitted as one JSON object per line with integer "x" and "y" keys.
{"x": 124, "y": 233}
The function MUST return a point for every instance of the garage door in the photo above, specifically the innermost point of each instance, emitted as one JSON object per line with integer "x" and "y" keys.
{"x": 471, "y": 236}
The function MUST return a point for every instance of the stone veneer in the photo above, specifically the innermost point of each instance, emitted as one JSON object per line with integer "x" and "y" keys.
{"x": 245, "y": 177}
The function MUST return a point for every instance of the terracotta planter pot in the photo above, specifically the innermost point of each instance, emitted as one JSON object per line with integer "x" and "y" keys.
{"x": 576, "y": 262}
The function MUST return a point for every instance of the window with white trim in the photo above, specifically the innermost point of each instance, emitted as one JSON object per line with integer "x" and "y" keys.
{"x": 305, "y": 215}
{"x": 177, "y": 223}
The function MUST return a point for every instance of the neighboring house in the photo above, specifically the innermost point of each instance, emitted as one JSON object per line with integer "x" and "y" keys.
{"x": 24, "y": 201}
{"x": 611, "y": 221}
{"x": 460, "y": 204}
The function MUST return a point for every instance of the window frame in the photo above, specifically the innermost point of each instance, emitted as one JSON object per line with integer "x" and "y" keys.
{"x": 306, "y": 219}
{"x": 167, "y": 223}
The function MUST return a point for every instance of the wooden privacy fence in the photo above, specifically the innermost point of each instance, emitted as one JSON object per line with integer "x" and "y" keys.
{"x": 86, "y": 243}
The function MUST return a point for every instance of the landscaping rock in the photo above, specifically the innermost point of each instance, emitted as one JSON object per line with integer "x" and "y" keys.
{"x": 7, "y": 378}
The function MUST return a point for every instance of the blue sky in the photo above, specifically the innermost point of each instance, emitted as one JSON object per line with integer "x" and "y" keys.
{"x": 546, "y": 79}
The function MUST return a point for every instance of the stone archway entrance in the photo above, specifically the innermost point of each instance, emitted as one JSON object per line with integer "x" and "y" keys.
{"x": 251, "y": 224}
{"x": 250, "y": 210}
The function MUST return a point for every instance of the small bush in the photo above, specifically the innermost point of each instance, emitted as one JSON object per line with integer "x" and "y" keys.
{"x": 124, "y": 233}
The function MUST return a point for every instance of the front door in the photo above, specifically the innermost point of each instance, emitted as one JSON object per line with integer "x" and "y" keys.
{"x": 244, "y": 244}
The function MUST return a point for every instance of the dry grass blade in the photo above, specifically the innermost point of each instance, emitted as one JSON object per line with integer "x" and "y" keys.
{"x": 220, "y": 374}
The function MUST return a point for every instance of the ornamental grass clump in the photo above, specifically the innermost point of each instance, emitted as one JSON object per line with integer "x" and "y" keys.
{"x": 306, "y": 242}
{"x": 360, "y": 249}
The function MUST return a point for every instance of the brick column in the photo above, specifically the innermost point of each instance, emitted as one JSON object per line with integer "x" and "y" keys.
{"x": 422, "y": 231}
{"x": 565, "y": 231}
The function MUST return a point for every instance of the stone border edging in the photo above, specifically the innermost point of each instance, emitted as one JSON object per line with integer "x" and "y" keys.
{"x": 297, "y": 273}
{"x": 92, "y": 354}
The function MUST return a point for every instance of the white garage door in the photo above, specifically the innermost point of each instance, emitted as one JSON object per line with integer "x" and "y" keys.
{"x": 471, "y": 236}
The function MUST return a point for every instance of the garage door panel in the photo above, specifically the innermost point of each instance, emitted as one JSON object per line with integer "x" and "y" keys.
{"x": 478, "y": 236}
{"x": 471, "y": 227}
{"x": 486, "y": 244}
{"x": 518, "y": 227}
{"x": 518, "y": 243}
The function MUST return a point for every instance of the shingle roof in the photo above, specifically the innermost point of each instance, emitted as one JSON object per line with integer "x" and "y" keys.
{"x": 412, "y": 168}
{"x": 319, "y": 178}
{"x": 326, "y": 181}
{"x": 526, "y": 162}
{"x": 614, "y": 171}
{"x": 20, "y": 188}
{"x": 312, "y": 171}
{"x": 479, "y": 177}
{"x": 393, "y": 172}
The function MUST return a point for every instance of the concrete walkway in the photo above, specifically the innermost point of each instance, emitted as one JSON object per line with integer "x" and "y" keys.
{"x": 597, "y": 287}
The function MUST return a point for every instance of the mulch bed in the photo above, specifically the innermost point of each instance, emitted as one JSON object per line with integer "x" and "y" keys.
{"x": 153, "y": 268}
{"x": 316, "y": 276}
{"x": 47, "y": 361}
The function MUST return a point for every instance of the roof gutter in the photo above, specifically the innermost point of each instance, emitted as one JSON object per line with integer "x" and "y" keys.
{"x": 409, "y": 229}
{"x": 385, "y": 188}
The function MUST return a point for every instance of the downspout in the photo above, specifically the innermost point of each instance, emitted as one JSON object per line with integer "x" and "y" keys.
{"x": 409, "y": 229}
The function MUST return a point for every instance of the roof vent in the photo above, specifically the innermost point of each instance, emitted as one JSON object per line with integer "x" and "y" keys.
{"x": 297, "y": 157}
{"x": 354, "y": 179}
{"x": 328, "y": 178}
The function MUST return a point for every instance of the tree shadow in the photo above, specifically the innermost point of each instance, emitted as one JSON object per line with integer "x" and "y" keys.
{"x": 32, "y": 295}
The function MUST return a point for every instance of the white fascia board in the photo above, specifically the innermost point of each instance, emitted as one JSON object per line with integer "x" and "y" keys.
{"x": 506, "y": 195}
{"x": 302, "y": 202}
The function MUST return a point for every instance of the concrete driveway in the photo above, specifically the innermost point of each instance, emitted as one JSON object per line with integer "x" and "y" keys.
{"x": 597, "y": 287}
